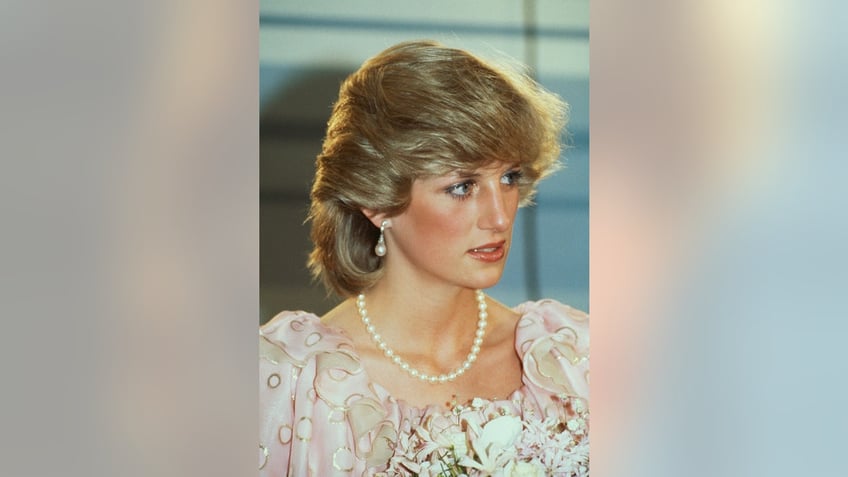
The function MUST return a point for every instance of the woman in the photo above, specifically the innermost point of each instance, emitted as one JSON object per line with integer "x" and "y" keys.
{"x": 429, "y": 152}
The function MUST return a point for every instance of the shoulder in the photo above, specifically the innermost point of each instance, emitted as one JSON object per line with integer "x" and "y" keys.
{"x": 315, "y": 400}
{"x": 552, "y": 311}
{"x": 546, "y": 317}
{"x": 314, "y": 358}
{"x": 553, "y": 340}
{"x": 298, "y": 335}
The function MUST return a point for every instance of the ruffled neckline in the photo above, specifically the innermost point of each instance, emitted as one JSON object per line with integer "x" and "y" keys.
{"x": 335, "y": 339}
{"x": 406, "y": 407}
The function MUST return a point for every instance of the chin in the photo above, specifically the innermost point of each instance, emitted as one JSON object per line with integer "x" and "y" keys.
{"x": 484, "y": 281}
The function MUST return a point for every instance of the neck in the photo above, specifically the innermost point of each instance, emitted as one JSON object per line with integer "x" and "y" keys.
{"x": 421, "y": 318}
{"x": 441, "y": 375}
{"x": 437, "y": 305}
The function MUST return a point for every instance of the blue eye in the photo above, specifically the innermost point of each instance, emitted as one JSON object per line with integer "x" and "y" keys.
{"x": 462, "y": 190}
{"x": 512, "y": 177}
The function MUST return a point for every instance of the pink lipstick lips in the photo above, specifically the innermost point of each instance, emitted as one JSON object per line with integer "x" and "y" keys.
{"x": 490, "y": 252}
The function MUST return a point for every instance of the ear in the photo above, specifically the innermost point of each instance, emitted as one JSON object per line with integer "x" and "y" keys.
{"x": 376, "y": 218}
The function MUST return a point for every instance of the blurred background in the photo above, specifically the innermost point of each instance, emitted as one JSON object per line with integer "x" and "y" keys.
{"x": 130, "y": 245}
{"x": 307, "y": 48}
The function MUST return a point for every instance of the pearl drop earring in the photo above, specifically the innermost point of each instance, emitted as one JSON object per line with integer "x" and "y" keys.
{"x": 380, "y": 249}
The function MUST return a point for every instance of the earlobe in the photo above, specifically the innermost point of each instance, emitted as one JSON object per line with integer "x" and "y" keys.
{"x": 377, "y": 218}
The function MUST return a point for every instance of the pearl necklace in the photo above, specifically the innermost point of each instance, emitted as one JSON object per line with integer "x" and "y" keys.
{"x": 472, "y": 355}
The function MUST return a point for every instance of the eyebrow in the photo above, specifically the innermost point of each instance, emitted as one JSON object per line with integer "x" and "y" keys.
{"x": 472, "y": 174}
{"x": 467, "y": 174}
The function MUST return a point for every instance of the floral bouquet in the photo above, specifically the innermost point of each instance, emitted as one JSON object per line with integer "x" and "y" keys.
{"x": 482, "y": 440}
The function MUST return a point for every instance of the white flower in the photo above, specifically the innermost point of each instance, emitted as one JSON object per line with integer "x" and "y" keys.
{"x": 575, "y": 424}
{"x": 500, "y": 432}
{"x": 458, "y": 443}
{"x": 578, "y": 405}
{"x": 524, "y": 469}
{"x": 427, "y": 470}
{"x": 437, "y": 469}
{"x": 494, "y": 444}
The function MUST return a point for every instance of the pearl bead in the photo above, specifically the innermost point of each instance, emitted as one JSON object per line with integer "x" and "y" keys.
{"x": 482, "y": 315}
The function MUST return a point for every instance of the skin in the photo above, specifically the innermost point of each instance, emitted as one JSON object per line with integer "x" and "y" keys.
{"x": 424, "y": 305}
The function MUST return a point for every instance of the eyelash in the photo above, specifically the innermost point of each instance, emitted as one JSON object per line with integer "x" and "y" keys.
{"x": 514, "y": 176}
{"x": 462, "y": 190}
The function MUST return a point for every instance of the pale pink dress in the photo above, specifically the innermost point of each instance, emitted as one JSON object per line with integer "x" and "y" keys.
{"x": 321, "y": 415}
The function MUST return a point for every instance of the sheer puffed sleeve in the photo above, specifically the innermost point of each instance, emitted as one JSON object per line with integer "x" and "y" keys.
{"x": 554, "y": 341}
{"x": 318, "y": 416}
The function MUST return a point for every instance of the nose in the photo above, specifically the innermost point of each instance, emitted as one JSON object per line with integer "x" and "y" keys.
{"x": 497, "y": 211}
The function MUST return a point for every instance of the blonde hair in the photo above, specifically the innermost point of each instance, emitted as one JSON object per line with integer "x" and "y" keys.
{"x": 415, "y": 110}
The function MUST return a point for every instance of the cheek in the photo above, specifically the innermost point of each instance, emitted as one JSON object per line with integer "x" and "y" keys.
{"x": 437, "y": 224}
{"x": 511, "y": 201}
{"x": 513, "y": 204}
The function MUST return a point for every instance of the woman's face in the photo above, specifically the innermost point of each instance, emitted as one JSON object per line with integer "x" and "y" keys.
{"x": 458, "y": 227}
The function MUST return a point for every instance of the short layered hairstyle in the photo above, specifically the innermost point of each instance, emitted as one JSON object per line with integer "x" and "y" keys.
{"x": 416, "y": 110}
